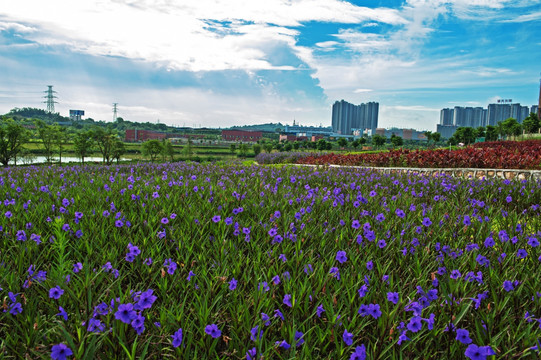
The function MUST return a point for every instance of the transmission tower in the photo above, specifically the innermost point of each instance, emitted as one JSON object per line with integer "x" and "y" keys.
{"x": 50, "y": 99}
{"x": 115, "y": 110}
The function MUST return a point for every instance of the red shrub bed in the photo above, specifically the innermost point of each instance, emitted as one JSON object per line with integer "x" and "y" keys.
{"x": 496, "y": 155}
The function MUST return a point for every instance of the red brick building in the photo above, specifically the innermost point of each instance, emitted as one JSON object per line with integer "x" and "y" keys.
{"x": 133, "y": 135}
{"x": 240, "y": 135}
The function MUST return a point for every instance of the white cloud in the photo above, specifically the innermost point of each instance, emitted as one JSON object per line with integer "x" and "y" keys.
{"x": 195, "y": 35}
{"x": 13, "y": 26}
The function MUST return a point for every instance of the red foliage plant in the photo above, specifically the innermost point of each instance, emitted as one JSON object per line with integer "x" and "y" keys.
{"x": 487, "y": 155}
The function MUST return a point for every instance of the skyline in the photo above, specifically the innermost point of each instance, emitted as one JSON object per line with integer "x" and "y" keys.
{"x": 226, "y": 63}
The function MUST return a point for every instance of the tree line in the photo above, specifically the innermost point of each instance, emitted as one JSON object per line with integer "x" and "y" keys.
{"x": 509, "y": 128}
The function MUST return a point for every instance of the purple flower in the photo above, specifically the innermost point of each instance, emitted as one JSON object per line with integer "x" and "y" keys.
{"x": 392, "y": 297}
{"x": 232, "y": 284}
{"x": 299, "y": 338}
{"x": 283, "y": 344}
{"x": 278, "y": 313}
{"x": 125, "y": 313}
{"x": 335, "y": 272}
{"x": 370, "y": 265}
{"x": 475, "y": 352}
{"x": 341, "y": 257}
{"x": 359, "y": 354}
{"x": 62, "y": 313}
{"x": 320, "y": 310}
{"x": 77, "y": 267}
{"x": 455, "y": 274}
{"x": 287, "y": 300}
{"x": 56, "y": 292}
{"x": 254, "y": 333}
{"x": 508, "y": 285}
{"x": 164, "y": 221}
{"x": 374, "y": 310}
{"x": 521, "y": 253}
{"x": 213, "y": 331}
{"x": 463, "y": 336}
{"x": 415, "y": 324}
{"x": 190, "y": 275}
{"x": 216, "y": 218}
{"x": 146, "y": 299}
{"x": 347, "y": 337}
{"x": 60, "y": 352}
{"x": 250, "y": 354}
{"x": 427, "y": 222}
{"x": 15, "y": 308}
{"x": 177, "y": 338}
{"x": 265, "y": 318}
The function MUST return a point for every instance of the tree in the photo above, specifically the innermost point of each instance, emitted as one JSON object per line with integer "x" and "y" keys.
{"x": 256, "y": 148}
{"x": 243, "y": 149}
{"x": 288, "y": 147}
{"x": 188, "y": 149}
{"x": 396, "y": 140}
{"x": 83, "y": 143}
{"x": 168, "y": 150}
{"x": 355, "y": 143}
{"x": 491, "y": 133}
{"x": 428, "y": 135}
{"x": 464, "y": 135}
{"x": 531, "y": 124}
{"x": 118, "y": 150}
{"x": 12, "y": 138}
{"x": 342, "y": 142}
{"x": 436, "y": 137}
{"x": 296, "y": 145}
{"x": 105, "y": 140}
{"x": 268, "y": 147}
{"x": 362, "y": 141}
{"x": 510, "y": 127}
{"x": 378, "y": 140}
{"x": 233, "y": 149}
{"x": 48, "y": 137}
{"x": 321, "y": 144}
{"x": 480, "y": 132}
{"x": 61, "y": 139}
{"x": 152, "y": 148}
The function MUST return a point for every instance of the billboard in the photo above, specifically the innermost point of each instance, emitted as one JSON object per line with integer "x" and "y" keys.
{"x": 76, "y": 114}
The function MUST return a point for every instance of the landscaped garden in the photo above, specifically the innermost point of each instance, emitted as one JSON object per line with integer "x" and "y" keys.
{"x": 497, "y": 154}
{"x": 184, "y": 260}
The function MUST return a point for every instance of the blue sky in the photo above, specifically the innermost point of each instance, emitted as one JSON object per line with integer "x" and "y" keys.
{"x": 230, "y": 62}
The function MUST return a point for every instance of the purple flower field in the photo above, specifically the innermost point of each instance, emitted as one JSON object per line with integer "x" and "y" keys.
{"x": 193, "y": 261}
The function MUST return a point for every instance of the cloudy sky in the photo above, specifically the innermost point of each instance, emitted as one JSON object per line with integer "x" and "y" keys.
{"x": 219, "y": 63}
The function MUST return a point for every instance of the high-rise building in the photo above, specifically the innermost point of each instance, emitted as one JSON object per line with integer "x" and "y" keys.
{"x": 346, "y": 116}
{"x": 446, "y": 116}
{"x": 497, "y": 113}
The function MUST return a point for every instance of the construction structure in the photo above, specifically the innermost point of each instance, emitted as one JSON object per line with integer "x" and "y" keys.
{"x": 50, "y": 99}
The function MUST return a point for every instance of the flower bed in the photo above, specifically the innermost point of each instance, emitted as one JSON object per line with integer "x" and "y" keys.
{"x": 203, "y": 261}
{"x": 490, "y": 155}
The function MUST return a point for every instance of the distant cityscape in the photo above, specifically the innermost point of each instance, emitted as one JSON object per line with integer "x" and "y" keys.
{"x": 347, "y": 120}
{"x": 452, "y": 119}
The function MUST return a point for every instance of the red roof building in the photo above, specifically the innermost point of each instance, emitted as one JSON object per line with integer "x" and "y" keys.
{"x": 240, "y": 135}
{"x": 134, "y": 135}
